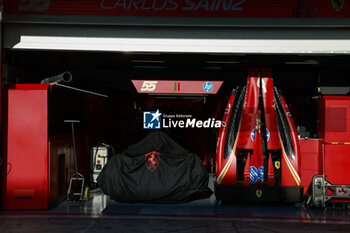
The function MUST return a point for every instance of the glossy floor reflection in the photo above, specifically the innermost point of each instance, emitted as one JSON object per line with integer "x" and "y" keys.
{"x": 100, "y": 214}
{"x": 153, "y": 225}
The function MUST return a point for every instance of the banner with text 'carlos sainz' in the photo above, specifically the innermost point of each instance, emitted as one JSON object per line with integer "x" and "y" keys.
{"x": 184, "y": 8}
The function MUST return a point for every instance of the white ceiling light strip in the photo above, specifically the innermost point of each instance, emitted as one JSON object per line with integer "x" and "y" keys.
{"x": 305, "y": 46}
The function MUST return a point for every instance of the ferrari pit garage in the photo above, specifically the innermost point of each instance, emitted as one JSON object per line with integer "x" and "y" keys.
{"x": 106, "y": 146}
{"x": 169, "y": 115}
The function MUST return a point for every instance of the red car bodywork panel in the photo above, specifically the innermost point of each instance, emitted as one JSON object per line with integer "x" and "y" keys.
{"x": 290, "y": 163}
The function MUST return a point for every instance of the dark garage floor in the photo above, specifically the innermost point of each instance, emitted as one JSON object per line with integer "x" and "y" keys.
{"x": 164, "y": 225}
{"x": 101, "y": 214}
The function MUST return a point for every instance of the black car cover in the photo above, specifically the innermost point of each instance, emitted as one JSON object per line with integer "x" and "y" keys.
{"x": 156, "y": 169}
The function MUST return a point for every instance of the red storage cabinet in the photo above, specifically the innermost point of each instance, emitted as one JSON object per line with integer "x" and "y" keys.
{"x": 334, "y": 127}
{"x": 311, "y": 160}
{"x": 37, "y": 156}
{"x": 334, "y": 116}
{"x": 25, "y": 152}
{"x": 337, "y": 163}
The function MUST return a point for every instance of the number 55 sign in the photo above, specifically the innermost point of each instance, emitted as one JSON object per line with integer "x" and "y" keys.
{"x": 149, "y": 86}
{"x": 33, "y": 5}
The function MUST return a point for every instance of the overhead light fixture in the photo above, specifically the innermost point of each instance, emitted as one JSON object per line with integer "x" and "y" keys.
{"x": 319, "y": 55}
{"x": 165, "y": 96}
{"x": 212, "y": 67}
{"x": 307, "y": 62}
{"x": 227, "y": 54}
{"x": 150, "y": 67}
{"x": 148, "y": 61}
{"x": 141, "y": 53}
{"x": 222, "y": 62}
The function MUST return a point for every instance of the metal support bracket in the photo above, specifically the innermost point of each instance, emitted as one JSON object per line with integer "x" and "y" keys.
{"x": 324, "y": 191}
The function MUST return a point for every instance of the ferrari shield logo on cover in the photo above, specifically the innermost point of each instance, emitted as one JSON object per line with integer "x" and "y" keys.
{"x": 152, "y": 160}
{"x": 258, "y": 193}
{"x": 277, "y": 164}
{"x": 338, "y": 4}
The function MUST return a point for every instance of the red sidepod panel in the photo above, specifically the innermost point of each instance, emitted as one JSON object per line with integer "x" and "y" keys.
{"x": 225, "y": 165}
{"x": 25, "y": 185}
{"x": 290, "y": 163}
{"x": 249, "y": 112}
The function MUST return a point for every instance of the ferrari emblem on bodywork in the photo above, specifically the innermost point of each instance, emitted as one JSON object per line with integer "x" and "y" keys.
{"x": 152, "y": 160}
{"x": 338, "y": 4}
{"x": 258, "y": 193}
{"x": 277, "y": 164}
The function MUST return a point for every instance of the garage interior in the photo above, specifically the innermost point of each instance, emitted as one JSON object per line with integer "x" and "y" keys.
{"x": 116, "y": 120}
{"x": 104, "y": 47}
